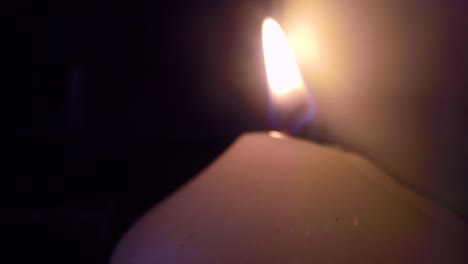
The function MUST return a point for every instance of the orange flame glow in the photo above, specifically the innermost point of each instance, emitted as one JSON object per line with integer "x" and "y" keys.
{"x": 282, "y": 71}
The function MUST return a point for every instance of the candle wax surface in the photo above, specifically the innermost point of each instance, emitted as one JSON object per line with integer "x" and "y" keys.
{"x": 276, "y": 199}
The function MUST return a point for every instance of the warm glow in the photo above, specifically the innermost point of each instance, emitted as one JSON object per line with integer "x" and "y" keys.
{"x": 283, "y": 73}
{"x": 276, "y": 134}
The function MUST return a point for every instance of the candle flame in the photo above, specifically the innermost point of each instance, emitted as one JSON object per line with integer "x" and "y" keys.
{"x": 282, "y": 71}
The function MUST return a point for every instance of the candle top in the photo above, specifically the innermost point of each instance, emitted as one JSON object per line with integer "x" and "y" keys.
{"x": 279, "y": 199}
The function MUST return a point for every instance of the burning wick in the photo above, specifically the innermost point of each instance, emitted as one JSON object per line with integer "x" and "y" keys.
{"x": 292, "y": 106}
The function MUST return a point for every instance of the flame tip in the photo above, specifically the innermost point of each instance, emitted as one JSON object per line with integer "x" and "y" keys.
{"x": 282, "y": 71}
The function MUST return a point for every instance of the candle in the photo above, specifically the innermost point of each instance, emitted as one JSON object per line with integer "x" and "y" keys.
{"x": 272, "y": 198}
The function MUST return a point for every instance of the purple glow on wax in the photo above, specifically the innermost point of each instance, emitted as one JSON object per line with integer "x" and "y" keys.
{"x": 294, "y": 123}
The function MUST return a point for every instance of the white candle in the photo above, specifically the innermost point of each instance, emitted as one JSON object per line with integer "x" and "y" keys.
{"x": 271, "y": 198}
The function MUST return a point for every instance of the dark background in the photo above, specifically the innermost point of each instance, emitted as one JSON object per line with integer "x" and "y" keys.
{"x": 109, "y": 106}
